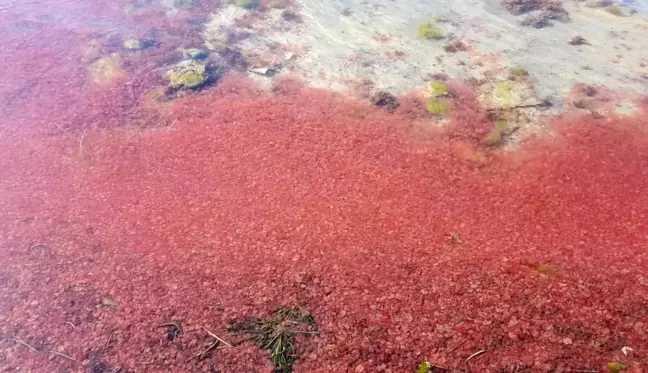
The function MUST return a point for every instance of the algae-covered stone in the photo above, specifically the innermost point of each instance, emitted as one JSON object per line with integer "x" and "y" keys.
{"x": 436, "y": 107}
{"x": 615, "y": 367}
{"x": 187, "y": 74}
{"x": 424, "y": 367}
{"x": 518, "y": 71}
{"x": 106, "y": 69}
{"x": 436, "y": 89}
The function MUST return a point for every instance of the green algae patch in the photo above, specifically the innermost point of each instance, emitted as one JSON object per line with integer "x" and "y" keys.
{"x": 429, "y": 30}
{"x": 187, "y": 74}
{"x": 518, "y": 71}
{"x": 504, "y": 92}
{"x": 436, "y": 107}
{"x": 424, "y": 367}
{"x": 437, "y": 89}
{"x": 615, "y": 367}
{"x": 509, "y": 93}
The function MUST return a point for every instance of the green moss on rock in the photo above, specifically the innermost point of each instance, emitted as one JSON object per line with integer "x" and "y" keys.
{"x": 615, "y": 367}
{"x": 436, "y": 107}
{"x": 437, "y": 89}
{"x": 187, "y": 74}
{"x": 504, "y": 91}
{"x": 424, "y": 367}
{"x": 518, "y": 71}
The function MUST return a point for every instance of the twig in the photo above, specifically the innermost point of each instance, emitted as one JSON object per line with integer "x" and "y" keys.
{"x": 81, "y": 141}
{"x": 171, "y": 125}
{"x": 539, "y": 104}
{"x": 305, "y": 332}
{"x": 70, "y": 323}
{"x": 217, "y": 337}
{"x": 64, "y": 356}
{"x": 475, "y": 354}
{"x": 20, "y": 341}
{"x": 109, "y": 339}
{"x": 207, "y": 350}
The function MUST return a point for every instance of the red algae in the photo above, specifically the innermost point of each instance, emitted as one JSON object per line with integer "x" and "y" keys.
{"x": 121, "y": 213}
{"x": 252, "y": 202}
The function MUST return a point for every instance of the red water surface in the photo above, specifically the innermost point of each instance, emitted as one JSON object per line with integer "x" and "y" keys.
{"x": 406, "y": 242}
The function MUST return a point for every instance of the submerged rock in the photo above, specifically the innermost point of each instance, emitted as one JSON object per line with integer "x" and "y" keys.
{"x": 106, "y": 69}
{"x": 194, "y": 54}
{"x": 132, "y": 44}
{"x": 187, "y": 74}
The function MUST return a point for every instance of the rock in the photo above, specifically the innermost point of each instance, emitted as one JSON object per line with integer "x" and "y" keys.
{"x": 187, "y": 74}
{"x": 106, "y": 69}
{"x": 107, "y": 302}
{"x": 132, "y": 44}
{"x": 194, "y": 54}
{"x": 264, "y": 71}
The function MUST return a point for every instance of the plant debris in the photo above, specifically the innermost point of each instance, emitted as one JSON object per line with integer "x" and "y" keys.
{"x": 277, "y": 334}
{"x": 578, "y": 40}
{"x": 173, "y": 330}
{"x": 456, "y": 46}
{"x": 385, "y": 100}
{"x": 291, "y": 16}
{"x": 214, "y": 344}
{"x": 540, "y": 11}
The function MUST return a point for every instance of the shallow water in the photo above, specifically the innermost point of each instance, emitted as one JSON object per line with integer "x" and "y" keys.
{"x": 478, "y": 201}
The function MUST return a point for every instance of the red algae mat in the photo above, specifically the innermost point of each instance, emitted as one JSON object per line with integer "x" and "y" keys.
{"x": 405, "y": 248}
{"x": 407, "y": 244}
